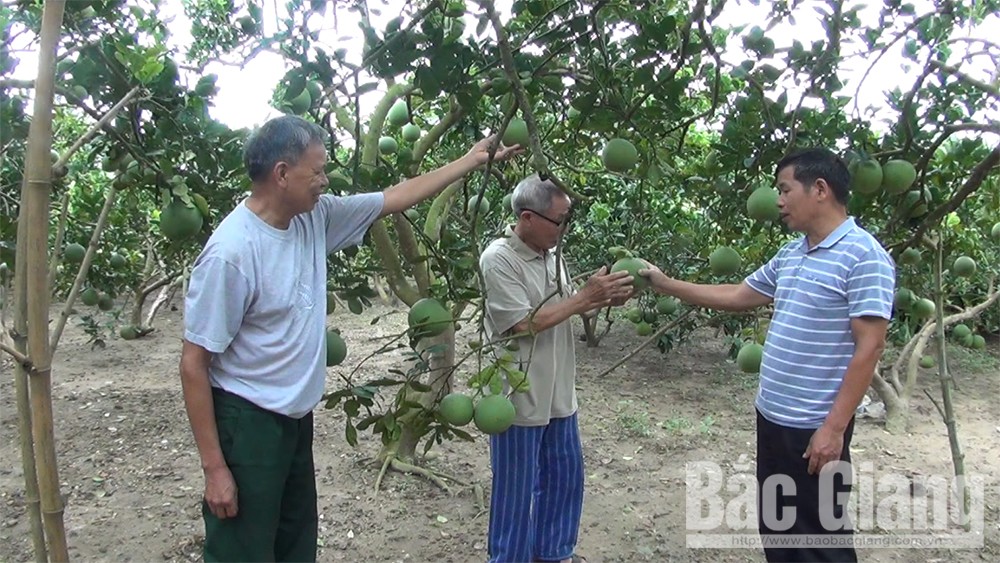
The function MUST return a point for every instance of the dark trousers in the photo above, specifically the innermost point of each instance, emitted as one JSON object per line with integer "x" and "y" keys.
{"x": 537, "y": 496}
{"x": 779, "y": 456}
{"x": 270, "y": 457}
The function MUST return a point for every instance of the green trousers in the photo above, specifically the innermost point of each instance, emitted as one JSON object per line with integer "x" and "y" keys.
{"x": 270, "y": 457}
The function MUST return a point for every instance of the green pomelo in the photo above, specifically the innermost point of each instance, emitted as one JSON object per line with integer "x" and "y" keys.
{"x": 867, "y": 177}
{"x": 118, "y": 261}
{"x": 128, "y": 332}
{"x": 978, "y": 342}
{"x": 484, "y": 205}
{"x": 516, "y": 133}
{"x": 910, "y": 256}
{"x": 904, "y": 299}
{"x": 666, "y": 305}
{"x": 178, "y": 221}
{"x": 336, "y": 349}
{"x": 89, "y": 297}
{"x": 964, "y": 266}
{"x": 634, "y": 314}
{"x": 74, "y": 252}
{"x": 494, "y": 414}
{"x": 428, "y": 317}
{"x": 387, "y": 145}
{"x": 898, "y": 176}
{"x": 632, "y": 266}
{"x": 411, "y": 133}
{"x": 762, "y": 205}
{"x": 643, "y": 329}
{"x": 927, "y": 362}
{"x": 619, "y": 155}
{"x": 749, "y": 357}
{"x": 105, "y": 302}
{"x": 724, "y": 261}
{"x": 924, "y": 308}
{"x": 961, "y": 331}
{"x": 457, "y": 409}
{"x": 398, "y": 114}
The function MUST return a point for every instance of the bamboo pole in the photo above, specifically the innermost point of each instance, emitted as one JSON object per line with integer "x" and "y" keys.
{"x": 35, "y": 200}
{"x": 19, "y": 333}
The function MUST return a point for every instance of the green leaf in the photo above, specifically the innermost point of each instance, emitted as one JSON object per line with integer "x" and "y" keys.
{"x": 351, "y": 434}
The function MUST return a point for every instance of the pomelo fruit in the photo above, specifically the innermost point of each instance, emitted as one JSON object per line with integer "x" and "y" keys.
{"x": 904, "y": 299}
{"x": 898, "y": 176}
{"x": 411, "y": 133}
{"x": 336, "y": 349}
{"x": 128, "y": 332}
{"x": 331, "y": 303}
{"x": 724, "y": 261}
{"x": 516, "y": 133}
{"x": 178, "y": 221}
{"x": 910, "y": 256}
{"x": 927, "y": 362}
{"x": 387, "y": 145}
{"x": 666, "y": 305}
{"x": 866, "y": 178}
{"x": 105, "y": 302}
{"x": 978, "y": 342}
{"x": 924, "y": 308}
{"x": 968, "y": 340}
{"x": 494, "y": 414}
{"x": 632, "y": 266}
{"x": 749, "y": 357}
{"x": 457, "y": 409}
{"x": 964, "y": 266}
{"x": 619, "y": 155}
{"x": 428, "y": 317}
{"x": 398, "y": 114}
{"x": 961, "y": 331}
{"x": 507, "y": 202}
{"x": 762, "y": 205}
{"x": 484, "y": 205}
{"x": 89, "y": 297}
{"x": 643, "y": 329}
{"x": 118, "y": 261}
{"x": 74, "y": 252}
{"x": 634, "y": 314}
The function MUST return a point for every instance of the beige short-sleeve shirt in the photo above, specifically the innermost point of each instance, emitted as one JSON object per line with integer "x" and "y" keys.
{"x": 517, "y": 279}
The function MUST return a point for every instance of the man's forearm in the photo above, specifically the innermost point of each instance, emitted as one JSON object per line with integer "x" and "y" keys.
{"x": 720, "y": 297}
{"x": 201, "y": 414}
{"x": 549, "y": 316}
{"x": 414, "y": 190}
{"x": 857, "y": 379}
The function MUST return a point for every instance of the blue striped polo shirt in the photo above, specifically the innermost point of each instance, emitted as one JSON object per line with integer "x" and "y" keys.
{"x": 809, "y": 344}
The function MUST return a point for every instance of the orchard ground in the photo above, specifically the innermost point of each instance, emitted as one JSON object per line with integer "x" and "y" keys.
{"x": 131, "y": 478}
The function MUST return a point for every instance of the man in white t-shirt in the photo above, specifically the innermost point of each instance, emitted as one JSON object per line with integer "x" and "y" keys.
{"x": 253, "y": 360}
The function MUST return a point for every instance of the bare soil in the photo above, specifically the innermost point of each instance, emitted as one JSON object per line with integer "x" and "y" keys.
{"x": 132, "y": 483}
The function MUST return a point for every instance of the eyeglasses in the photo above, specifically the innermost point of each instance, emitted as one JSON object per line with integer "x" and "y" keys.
{"x": 559, "y": 224}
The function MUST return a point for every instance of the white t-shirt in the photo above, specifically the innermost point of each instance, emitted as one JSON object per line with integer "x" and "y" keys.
{"x": 257, "y": 300}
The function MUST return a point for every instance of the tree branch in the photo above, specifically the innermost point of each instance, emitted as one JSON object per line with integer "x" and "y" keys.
{"x": 988, "y": 88}
{"x": 971, "y": 184}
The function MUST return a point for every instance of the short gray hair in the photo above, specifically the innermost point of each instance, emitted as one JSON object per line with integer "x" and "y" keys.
{"x": 533, "y": 193}
{"x": 282, "y": 139}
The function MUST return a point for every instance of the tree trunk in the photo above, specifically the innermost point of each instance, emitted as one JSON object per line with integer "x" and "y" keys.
{"x": 439, "y": 378}
{"x": 35, "y": 200}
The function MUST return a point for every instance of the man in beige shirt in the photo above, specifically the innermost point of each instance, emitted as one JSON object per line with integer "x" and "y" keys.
{"x": 537, "y": 493}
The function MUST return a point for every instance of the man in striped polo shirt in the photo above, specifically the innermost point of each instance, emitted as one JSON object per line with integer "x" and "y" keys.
{"x": 832, "y": 292}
